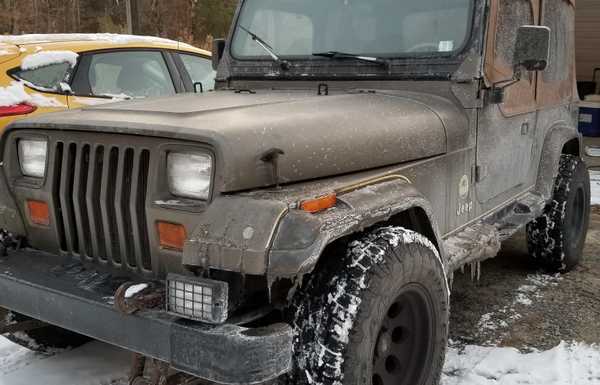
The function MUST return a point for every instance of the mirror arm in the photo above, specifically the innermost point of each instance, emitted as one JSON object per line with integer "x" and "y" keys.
{"x": 517, "y": 76}
{"x": 496, "y": 93}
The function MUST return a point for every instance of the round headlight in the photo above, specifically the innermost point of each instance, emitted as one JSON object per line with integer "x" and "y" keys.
{"x": 32, "y": 157}
{"x": 189, "y": 174}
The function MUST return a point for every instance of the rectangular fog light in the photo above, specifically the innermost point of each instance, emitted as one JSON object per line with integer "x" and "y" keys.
{"x": 197, "y": 299}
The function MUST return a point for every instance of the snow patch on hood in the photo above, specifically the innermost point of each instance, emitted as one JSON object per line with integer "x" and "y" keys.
{"x": 46, "y": 58}
{"x": 119, "y": 97}
{"x": 16, "y": 94}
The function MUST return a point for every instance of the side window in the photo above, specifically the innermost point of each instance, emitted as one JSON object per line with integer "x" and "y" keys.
{"x": 507, "y": 17}
{"x": 556, "y": 17}
{"x": 47, "y": 78}
{"x": 555, "y": 84}
{"x": 511, "y": 15}
{"x": 200, "y": 70}
{"x": 134, "y": 74}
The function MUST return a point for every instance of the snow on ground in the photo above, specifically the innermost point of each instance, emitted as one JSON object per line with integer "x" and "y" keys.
{"x": 494, "y": 325}
{"x": 566, "y": 364}
{"x": 45, "y": 58}
{"x": 100, "y": 364}
{"x": 595, "y": 180}
{"x": 92, "y": 364}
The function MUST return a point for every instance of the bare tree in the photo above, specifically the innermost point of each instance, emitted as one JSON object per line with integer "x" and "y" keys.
{"x": 192, "y": 21}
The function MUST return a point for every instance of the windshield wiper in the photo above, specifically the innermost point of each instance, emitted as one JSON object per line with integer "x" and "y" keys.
{"x": 348, "y": 56}
{"x": 284, "y": 64}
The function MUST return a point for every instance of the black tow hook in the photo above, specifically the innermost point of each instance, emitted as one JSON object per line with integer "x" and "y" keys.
{"x": 133, "y": 297}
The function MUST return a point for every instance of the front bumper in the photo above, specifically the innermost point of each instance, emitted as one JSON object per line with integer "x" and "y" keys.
{"x": 61, "y": 292}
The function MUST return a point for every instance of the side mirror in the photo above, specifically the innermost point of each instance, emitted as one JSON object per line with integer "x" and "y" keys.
{"x": 217, "y": 52}
{"x": 65, "y": 88}
{"x": 532, "y": 51}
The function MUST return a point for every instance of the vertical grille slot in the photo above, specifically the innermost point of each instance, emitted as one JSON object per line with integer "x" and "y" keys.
{"x": 56, "y": 175}
{"x": 94, "y": 184}
{"x": 80, "y": 182}
{"x": 123, "y": 195}
{"x": 137, "y": 206}
{"x": 66, "y": 202}
{"x": 107, "y": 203}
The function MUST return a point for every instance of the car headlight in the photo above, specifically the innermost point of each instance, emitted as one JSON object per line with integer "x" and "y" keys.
{"x": 189, "y": 174}
{"x": 32, "y": 157}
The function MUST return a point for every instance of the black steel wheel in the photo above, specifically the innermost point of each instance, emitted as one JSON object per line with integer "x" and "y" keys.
{"x": 556, "y": 239}
{"x": 377, "y": 316}
{"x": 405, "y": 339}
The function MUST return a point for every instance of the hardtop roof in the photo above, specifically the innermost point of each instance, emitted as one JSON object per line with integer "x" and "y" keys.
{"x": 97, "y": 38}
{"x": 74, "y": 37}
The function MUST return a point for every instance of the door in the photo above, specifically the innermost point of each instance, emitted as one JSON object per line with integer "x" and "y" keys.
{"x": 197, "y": 71}
{"x": 506, "y": 131}
{"x": 116, "y": 75}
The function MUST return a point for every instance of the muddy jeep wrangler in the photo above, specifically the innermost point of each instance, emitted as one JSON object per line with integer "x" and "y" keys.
{"x": 302, "y": 223}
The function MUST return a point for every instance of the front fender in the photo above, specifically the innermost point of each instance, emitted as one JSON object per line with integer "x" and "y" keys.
{"x": 234, "y": 234}
{"x": 556, "y": 138}
{"x": 302, "y": 237}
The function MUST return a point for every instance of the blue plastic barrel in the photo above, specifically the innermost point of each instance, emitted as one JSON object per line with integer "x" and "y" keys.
{"x": 589, "y": 119}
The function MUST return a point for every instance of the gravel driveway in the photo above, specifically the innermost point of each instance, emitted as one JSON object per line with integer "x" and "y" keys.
{"x": 514, "y": 304}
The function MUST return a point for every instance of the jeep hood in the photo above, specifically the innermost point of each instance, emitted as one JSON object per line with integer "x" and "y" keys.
{"x": 319, "y": 135}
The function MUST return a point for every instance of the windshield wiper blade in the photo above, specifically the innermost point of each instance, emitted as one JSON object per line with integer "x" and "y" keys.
{"x": 350, "y": 56}
{"x": 284, "y": 64}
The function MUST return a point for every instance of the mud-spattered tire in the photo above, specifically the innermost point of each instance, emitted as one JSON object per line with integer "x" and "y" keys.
{"x": 556, "y": 238}
{"x": 46, "y": 340}
{"x": 378, "y": 315}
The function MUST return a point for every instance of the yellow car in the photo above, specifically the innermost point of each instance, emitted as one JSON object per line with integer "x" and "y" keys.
{"x": 47, "y": 73}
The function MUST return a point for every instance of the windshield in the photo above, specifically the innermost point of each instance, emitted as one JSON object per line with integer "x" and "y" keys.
{"x": 392, "y": 28}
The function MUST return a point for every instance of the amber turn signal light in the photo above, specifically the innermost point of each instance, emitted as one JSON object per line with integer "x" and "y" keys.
{"x": 39, "y": 212}
{"x": 171, "y": 236}
{"x": 319, "y": 204}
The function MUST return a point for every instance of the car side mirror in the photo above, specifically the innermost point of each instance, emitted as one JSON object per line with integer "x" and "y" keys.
{"x": 64, "y": 88}
{"x": 532, "y": 51}
{"x": 217, "y": 52}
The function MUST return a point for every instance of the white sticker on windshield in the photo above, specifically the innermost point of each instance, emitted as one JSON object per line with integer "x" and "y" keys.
{"x": 446, "y": 46}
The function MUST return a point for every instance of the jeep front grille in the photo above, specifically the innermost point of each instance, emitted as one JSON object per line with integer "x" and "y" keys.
{"x": 99, "y": 195}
